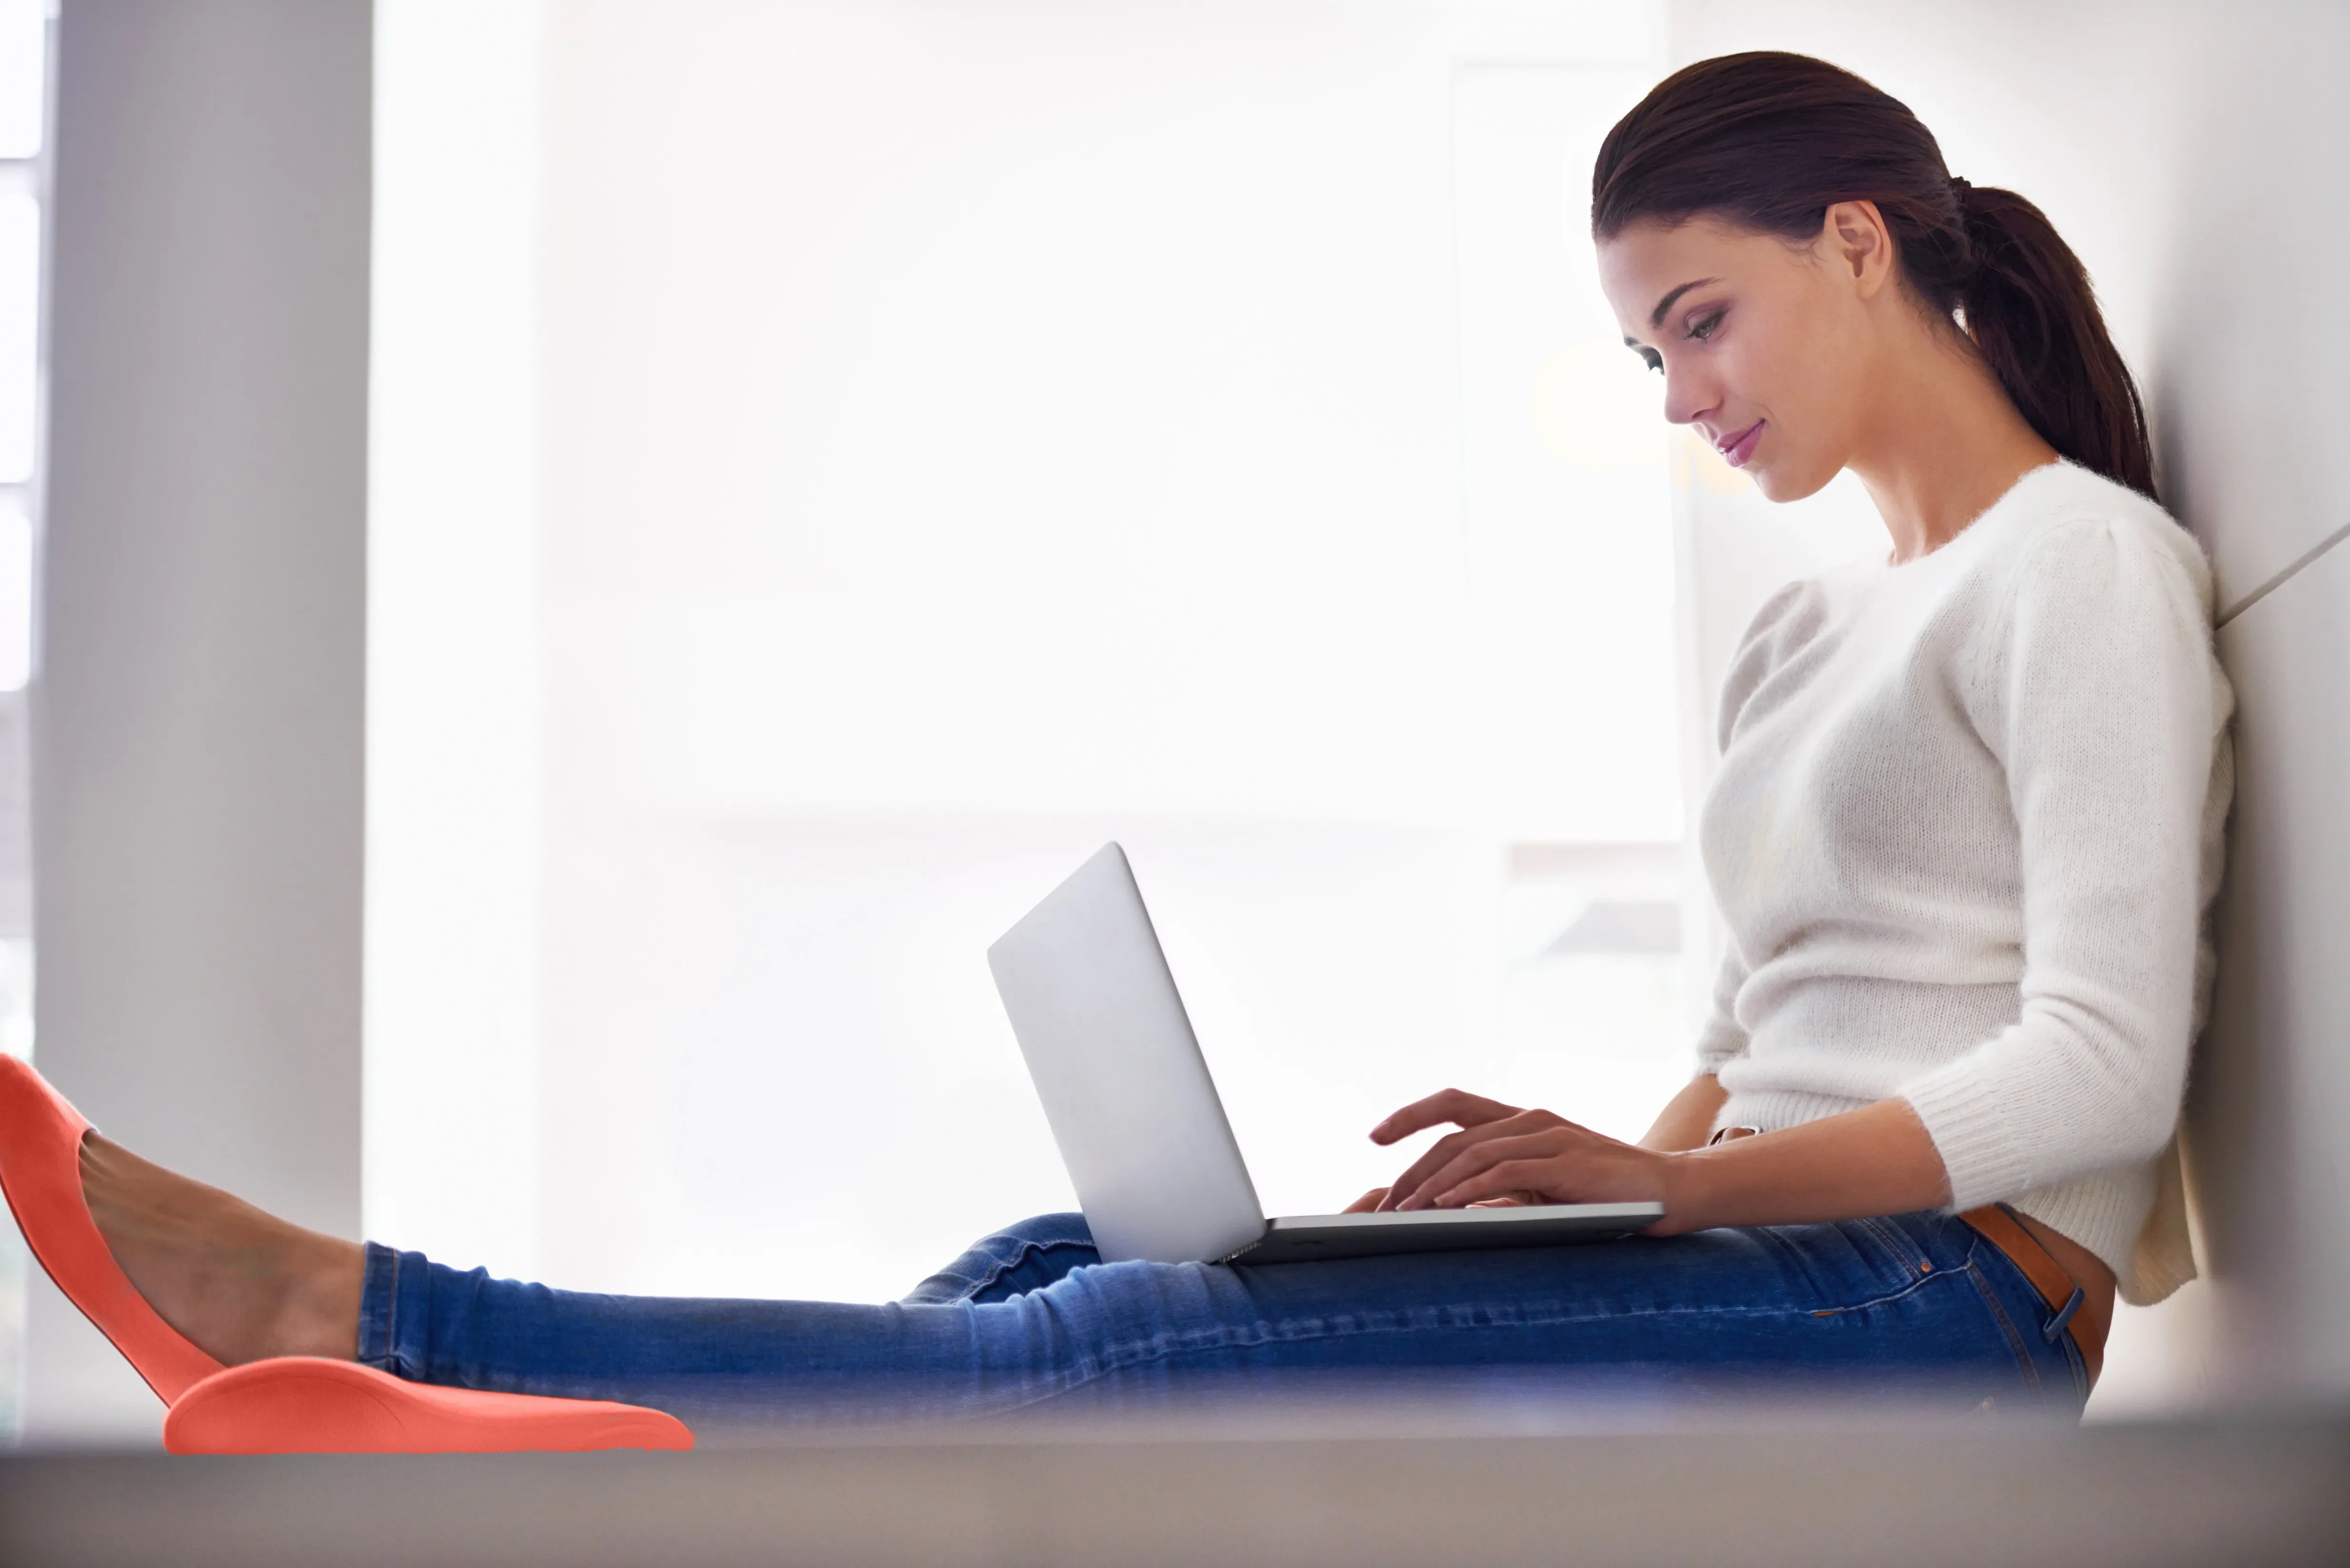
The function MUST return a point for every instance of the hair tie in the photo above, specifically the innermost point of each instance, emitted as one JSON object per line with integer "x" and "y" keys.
{"x": 1958, "y": 188}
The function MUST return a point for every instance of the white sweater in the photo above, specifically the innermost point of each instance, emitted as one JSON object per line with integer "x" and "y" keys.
{"x": 1966, "y": 830}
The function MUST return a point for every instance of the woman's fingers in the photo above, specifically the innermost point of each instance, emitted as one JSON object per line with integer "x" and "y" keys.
{"x": 1435, "y": 1157}
{"x": 1509, "y": 1178}
{"x": 1444, "y": 1106}
{"x": 1367, "y": 1203}
{"x": 1536, "y": 1156}
{"x": 1447, "y": 1149}
{"x": 1559, "y": 1163}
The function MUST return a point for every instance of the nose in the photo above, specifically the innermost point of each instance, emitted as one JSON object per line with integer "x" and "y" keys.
{"x": 1688, "y": 398}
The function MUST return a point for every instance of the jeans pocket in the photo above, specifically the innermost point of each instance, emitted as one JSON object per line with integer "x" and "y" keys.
{"x": 1905, "y": 1260}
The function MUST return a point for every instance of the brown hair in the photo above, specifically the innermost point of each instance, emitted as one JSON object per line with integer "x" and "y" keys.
{"x": 1770, "y": 141}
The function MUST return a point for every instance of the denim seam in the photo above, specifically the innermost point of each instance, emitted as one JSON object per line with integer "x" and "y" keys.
{"x": 1140, "y": 1352}
{"x": 1911, "y": 1262}
{"x": 391, "y": 1357}
{"x": 1906, "y": 1252}
{"x": 2077, "y": 1364}
{"x": 1912, "y": 1287}
{"x": 2001, "y": 1315}
{"x": 396, "y": 1358}
{"x": 379, "y": 1310}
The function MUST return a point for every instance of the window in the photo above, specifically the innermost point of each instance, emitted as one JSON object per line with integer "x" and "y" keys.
{"x": 960, "y": 444}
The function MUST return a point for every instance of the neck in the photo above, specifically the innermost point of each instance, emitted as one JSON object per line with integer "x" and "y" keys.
{"x": 1942, "y": 444}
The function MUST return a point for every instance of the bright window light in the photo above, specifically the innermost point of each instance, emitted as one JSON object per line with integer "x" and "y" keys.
{"x": 958, "y": 444}
{"x": 20, "y": 306}
{"x": 1569, "y": 516}
{"x": 23, "y": 76}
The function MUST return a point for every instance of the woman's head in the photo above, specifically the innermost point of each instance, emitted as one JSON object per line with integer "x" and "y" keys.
{"x": 1810, "y": 202}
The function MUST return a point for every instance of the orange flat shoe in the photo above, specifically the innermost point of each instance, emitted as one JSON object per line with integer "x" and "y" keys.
{"x": 289, "y": 1404}
{"x": 40, "y": 1171}
{"x": 307, "y": 1405}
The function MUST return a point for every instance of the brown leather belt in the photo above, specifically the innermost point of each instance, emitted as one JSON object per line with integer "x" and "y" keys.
{"x": 1996, "y": 1225}
{"x": 2055, "y": 1285}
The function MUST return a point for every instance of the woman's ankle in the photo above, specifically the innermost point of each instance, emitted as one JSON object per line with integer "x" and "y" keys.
{"x": 322, "y": 1316}
{"x": 239, "y": 1283}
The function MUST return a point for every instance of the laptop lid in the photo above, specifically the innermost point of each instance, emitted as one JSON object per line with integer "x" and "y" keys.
{"x": 1111, "y": 1048}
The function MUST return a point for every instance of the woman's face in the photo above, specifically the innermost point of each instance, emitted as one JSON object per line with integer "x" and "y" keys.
{"x": 1765, "y": 345}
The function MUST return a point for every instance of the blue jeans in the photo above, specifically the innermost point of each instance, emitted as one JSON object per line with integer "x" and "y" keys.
{"x": 1914, "y": 1304}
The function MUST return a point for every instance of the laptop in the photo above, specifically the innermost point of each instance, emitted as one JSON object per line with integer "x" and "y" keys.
{"x": 1138, "y": 1121}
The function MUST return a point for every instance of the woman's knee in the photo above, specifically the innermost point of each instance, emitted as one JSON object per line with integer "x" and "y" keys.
{"x": 1049, "y": 1230}
{"x": 1026, "y": 1256}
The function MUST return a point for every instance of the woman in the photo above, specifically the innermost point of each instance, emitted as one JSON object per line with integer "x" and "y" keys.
{"x": 1964, "y": 835}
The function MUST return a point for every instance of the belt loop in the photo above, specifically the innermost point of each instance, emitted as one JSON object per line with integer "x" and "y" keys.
{"x": 2055, "y": 1327}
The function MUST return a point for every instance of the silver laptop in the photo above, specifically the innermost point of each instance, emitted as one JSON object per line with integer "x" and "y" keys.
{"x": 1140, "y": 1126}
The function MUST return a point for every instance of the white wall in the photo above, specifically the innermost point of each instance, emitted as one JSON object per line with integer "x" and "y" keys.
{"x": 2189, "y": 153}
{"x": 198, "y": 713}
{"x": 2260, "y": 465}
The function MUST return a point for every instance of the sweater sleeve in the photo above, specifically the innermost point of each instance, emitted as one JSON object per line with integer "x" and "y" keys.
{"x": 2098, "y": 693}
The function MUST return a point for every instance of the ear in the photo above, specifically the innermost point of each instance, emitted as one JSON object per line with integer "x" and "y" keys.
{"x": 1853, "y": 235}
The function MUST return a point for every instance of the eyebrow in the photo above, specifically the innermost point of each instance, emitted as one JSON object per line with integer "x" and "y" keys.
{"x": 1657, "y": 317}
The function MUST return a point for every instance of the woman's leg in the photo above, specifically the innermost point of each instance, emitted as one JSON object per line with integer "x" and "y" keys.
{"x": 1914, "y": 1302}
{"x": 1029, "y": 1315}
{"x": 1011, "y": 1262}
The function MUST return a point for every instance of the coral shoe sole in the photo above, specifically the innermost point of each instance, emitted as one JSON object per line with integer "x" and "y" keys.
{"x": 40, "y": 1169}
{"x": 289, "y": 1404}
{"x": 303, "y": 1404}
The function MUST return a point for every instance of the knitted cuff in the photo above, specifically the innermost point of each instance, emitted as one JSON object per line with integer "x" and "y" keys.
{"x": 1970, "y": 1132}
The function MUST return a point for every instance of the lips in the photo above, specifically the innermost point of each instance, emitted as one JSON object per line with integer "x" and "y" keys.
{"x": 1736, "y": 448}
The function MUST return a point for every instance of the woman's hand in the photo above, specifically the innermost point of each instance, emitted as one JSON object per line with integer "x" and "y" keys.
{"x": 1369, "y": 1204}
{"x": 1877, "y": 1159}
{"x": 1503, "y": 1154}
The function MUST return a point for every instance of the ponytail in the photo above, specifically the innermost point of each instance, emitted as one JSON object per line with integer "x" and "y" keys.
{"x": 2031, "y": 312}
{"x": 1770, "y": 141}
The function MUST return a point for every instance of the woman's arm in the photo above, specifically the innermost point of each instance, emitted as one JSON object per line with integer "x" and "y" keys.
{"x": 1687, "y": 1120}
{"x": 2097, "y": 694}
{"x": 1875, "y": 1161}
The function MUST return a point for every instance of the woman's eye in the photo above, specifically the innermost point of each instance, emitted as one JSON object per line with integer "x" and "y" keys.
{"x": 1651, "y": 359}
{"x": 1706, "y": 327}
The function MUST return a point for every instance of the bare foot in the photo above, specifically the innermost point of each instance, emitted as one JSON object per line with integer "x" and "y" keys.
{"x": 241, "y": 1284}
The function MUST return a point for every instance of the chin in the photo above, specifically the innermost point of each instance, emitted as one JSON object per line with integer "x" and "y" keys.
{"x": 1784, "y": 481}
